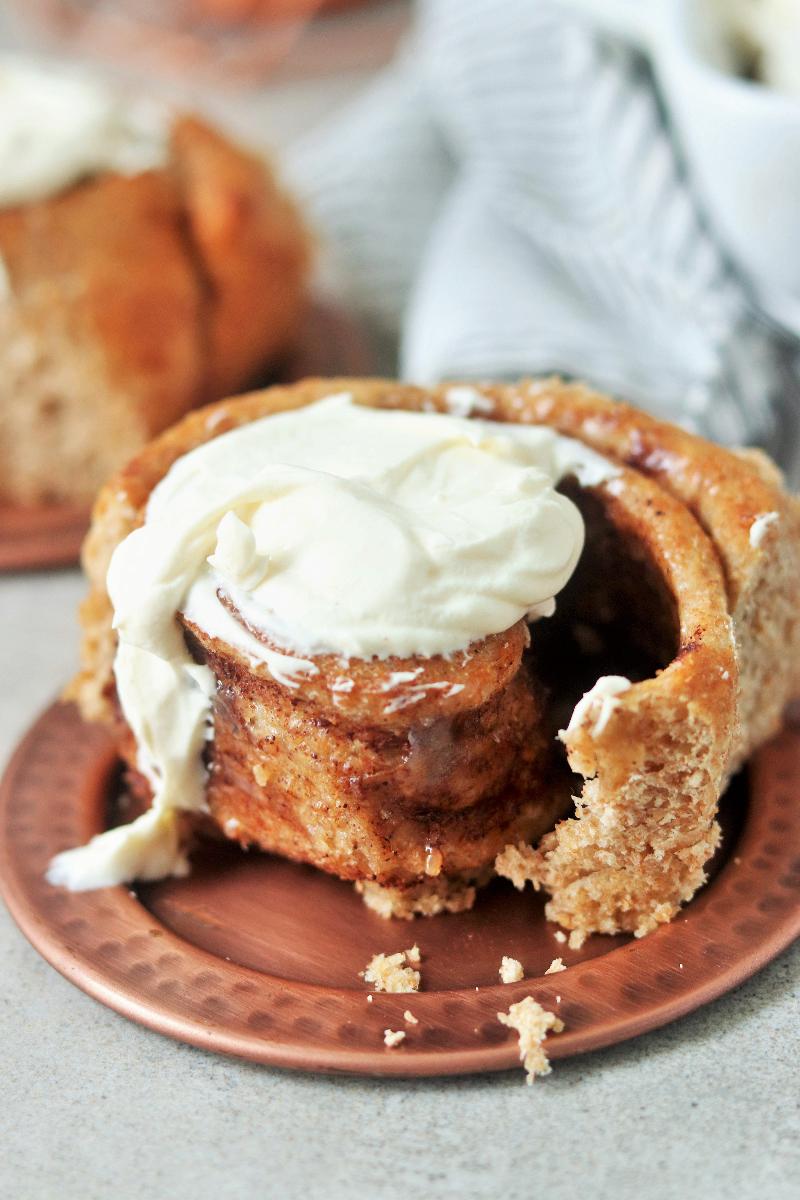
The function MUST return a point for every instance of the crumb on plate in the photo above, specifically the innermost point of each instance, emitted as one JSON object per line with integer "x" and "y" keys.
{"x": 389, "y": 972}
{"x": 511, "y": 970}
{"x": 532, "y": 1024}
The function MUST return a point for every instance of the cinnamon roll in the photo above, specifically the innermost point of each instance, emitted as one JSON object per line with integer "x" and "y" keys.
{"x": 419, "y": 637}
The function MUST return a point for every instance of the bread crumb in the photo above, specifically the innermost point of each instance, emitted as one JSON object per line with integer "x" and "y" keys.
{"x": 393, "y": 1037}
{"x": 511, "y": 970}
{"x": 532, "y": 1024}
{"x": 369, "y": 998}
{"x": 518, "y": 863}
{"x": 576, "y": 939}
{"x": 558, "y": 999}
{"x": 560, "y": 936}
{"x": 409, "y": 1018}
{"x": 389, "y": 972}
{"x": 260, "y": 775}
{"x": 555, "y": 966}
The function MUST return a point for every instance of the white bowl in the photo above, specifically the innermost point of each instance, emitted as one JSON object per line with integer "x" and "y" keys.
{"x": 740, "y": 138}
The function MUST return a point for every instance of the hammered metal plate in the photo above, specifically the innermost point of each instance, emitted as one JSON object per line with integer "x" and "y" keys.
{"x": 50, "y": 535}
{"x": 259, "y": 958}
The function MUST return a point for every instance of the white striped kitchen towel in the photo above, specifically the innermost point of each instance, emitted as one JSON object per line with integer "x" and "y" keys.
{"x": 507, "y": 199}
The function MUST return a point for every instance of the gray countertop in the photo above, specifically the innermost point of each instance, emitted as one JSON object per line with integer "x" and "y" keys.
{"x": 94, "y": 1106}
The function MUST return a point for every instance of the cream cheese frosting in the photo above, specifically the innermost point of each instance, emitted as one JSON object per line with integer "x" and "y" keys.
{"x": 332, "y": 529}
{"x": 596, "y": 706}
{"x": 59, "y": 124}
{"x": 760, "y": 527}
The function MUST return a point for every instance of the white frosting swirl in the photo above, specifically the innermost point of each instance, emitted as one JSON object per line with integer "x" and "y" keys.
{"x": 59, "y": 124}
{"x": 334, "y": 529}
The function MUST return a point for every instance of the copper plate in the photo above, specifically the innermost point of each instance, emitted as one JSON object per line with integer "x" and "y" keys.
{"x": 50, "y": 535}
{"x": 257, "y": 957}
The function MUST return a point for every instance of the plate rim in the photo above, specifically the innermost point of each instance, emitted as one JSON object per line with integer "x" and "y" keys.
{"x": 95, "y": 761}
{"x": 40, "y": 537}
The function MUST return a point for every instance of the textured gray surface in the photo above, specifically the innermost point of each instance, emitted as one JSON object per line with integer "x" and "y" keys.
{"x": 92, "y": 1106}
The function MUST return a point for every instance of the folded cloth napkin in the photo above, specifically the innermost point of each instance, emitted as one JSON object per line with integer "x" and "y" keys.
{"x": 507, "y": 200}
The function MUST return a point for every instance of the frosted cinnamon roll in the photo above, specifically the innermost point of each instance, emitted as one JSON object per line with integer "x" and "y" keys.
{"x": 416, "y": 637}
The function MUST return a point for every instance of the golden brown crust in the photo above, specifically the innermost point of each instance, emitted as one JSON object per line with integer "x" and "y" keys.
{"x": 645, "y": 823}
{"x": 132, "y": 300}
{"x": 252, "y": 250}
{"x": 96, "y": 359}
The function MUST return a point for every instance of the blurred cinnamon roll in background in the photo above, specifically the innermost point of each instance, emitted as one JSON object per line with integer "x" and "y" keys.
{"x": 147, "y": 265}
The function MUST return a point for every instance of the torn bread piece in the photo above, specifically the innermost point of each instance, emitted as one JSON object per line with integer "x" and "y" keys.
{"x": 519, "y": 864}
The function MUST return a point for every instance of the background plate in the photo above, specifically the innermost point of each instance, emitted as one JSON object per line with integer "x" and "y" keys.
{"x": 259, "y": 958}
{"x": 329, "y": 343}
{"x": 49, "y": 535}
